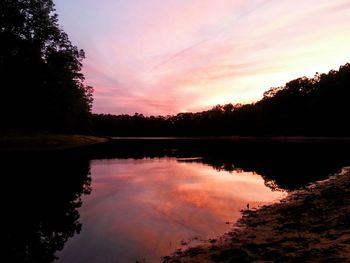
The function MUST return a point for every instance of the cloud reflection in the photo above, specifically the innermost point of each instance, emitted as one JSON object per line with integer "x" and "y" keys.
{"x": 144, "y": 208}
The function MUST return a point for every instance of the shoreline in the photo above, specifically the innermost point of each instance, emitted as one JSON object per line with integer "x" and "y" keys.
{"x": 265, "y": 139}
{"x": 309, "y": 224}
{"x": 43, "y": 143}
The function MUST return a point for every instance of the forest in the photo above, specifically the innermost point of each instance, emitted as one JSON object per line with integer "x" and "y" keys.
{"x": 42, "y": 87}
{"x": 43, "y": 90}
{"x": 317, "y": 106}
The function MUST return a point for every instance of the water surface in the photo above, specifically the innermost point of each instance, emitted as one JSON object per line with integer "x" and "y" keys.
{"x": 149, "y": 196}
{"x": 141, "y": 210}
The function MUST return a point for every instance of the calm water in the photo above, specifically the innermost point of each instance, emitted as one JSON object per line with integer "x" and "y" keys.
{"x": 139, "y": 200}
{"x": 141, "y": 210}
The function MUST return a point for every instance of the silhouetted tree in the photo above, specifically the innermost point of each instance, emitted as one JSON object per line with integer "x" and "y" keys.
{"x": 305, "y": 106}
{"x": 41, "y": 83}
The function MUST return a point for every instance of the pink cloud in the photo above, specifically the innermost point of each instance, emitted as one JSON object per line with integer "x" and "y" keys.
{"x": 161, "y": 57}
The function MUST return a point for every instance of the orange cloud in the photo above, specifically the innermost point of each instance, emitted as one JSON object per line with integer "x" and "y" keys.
{"x": 158, "y": 57}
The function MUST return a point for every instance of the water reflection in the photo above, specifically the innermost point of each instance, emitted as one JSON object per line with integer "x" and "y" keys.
{"x": 147, "y": 196}
{"x": 41, "y": 197}
{"x": 287, "y": 164}
{"x": 140, "y": 210}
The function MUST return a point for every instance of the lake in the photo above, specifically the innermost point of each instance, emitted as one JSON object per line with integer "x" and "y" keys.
{"x": 139, "y": 200}
{"x": 141, "y": 210}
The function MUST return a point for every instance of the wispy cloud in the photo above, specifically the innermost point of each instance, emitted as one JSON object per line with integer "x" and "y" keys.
{"x": 161, "y": 57}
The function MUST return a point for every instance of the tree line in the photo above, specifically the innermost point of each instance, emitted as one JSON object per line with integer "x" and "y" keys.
{"x": 42, "y": 87}
{"x": 317, "y": 106}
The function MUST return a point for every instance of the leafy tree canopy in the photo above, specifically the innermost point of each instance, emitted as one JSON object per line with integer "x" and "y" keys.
{"x": 42, "y": 84}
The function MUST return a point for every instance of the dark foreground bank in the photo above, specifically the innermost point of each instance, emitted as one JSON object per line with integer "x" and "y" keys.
{"x": 312, "y": 224}
{"x": 32, "y": 143}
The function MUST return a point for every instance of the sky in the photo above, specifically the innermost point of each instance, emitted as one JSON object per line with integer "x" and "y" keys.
{"x": 162, "y": 57}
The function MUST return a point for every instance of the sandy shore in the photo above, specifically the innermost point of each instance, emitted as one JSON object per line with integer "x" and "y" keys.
{"x": 310, "y": 225}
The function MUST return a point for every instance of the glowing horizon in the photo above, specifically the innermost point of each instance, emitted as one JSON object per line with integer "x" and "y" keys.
{"x": 163, "y": 57}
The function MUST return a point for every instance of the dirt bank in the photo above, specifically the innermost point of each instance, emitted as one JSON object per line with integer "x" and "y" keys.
{"x": 17, "y": 143}
{"x": 310, "y": 225}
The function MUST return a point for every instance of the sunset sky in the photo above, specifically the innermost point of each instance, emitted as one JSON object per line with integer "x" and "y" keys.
{"x": 169, "y": 56}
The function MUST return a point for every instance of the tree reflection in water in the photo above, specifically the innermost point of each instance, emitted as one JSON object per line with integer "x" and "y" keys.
{"x": 283, "y": 164}
{"x": 42, "y": 194}
{"x": 41, "y": 197}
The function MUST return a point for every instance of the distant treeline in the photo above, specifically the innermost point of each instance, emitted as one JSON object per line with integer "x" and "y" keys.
{"x": 318, "y": 106}
{"x": 41, "y": 84}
